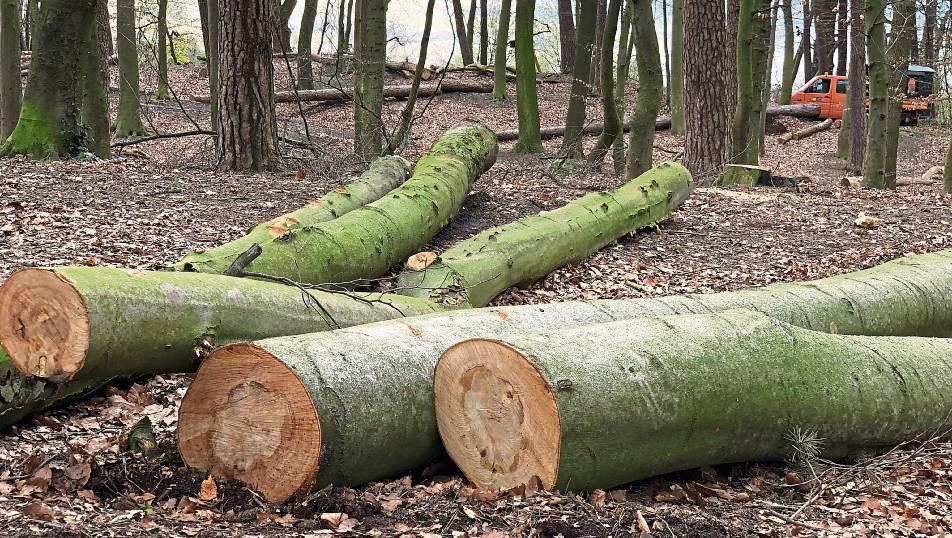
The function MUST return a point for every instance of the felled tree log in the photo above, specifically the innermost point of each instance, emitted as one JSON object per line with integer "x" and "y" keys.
{"x": 806, "y": 131}
{"x": 474, "y": 271}
{"x": 22, "y": 396}
{"x": 384, "y": 175}
{"x": 662, "y": 124}
{"x": 601, "y": 405}
{"x": 401, "y": 92}
{"x": 404, "y": 68}
{"x": 99, "y": 322}
{"x": 368, "y": 241}
{"x": 359, "y": 404}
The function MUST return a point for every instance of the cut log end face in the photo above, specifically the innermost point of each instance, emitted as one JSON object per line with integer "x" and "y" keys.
{"x": 44, "y": 324}
{"x": 248, "y": 417}
{"x": 497, "y": 416}
{"x": 421, "y": 260}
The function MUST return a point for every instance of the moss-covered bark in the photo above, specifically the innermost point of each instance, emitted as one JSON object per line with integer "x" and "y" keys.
{"x": 51, "y": 115}
{"x": 377, "y": 379}
{"x": 502, "y": 49}
{"x": 162, "y": 88}
{"x": 527, "y": 100}
{"x": 474, "y": 271}
{"x": 384, "y": 175}
{"x": 128, "y": 118}
{"x": 658, "y": 395}
{"x": 305, "y": 69}
{"x": 677, "y": 67}
{"x": 611, "y": 124}
{"x": 575, "y": 115}
{"x": 752, "y": 34}
{"x": 874, "y": 165}
{"x": 650, "y": 93}
{"x": 10, "y": 89}
{"x": 626, "y": 44}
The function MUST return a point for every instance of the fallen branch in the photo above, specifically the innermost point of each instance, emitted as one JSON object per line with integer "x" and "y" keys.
{"x": 132, "y": 142}
{"x": 806, "y": 131}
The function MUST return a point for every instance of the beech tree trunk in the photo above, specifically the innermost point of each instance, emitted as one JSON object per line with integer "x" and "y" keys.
{"x": 824, "y": 17}
{"x": 527, "y": 100}
{"x": 483, "y": 32}
{"x": 856, "y": 93}
{"x": 128, "y": 118}
{"x": 705, "y": 88}
{"x": 566, "y": 36}
{"x": 367, "y": 409}
{"x": 612, "y": 123}
{"x": 601, "y": 14}
{"x": 601, "y": 405}
{"x": 162, "y": 89}
{"x": 282, "y": 24}
{"x": 247, "y": 124}
{"x": 789, "y": 69}
{"x": 575, "y": 115}
{"x": 63, "y": 79}
{"x": 10, "y": 88}
{"x": 465, "y": 49}
{"x": 370, "y": 53}
{"x": 842, "y": 36}
{"x": 471, "y": 26}
{"x": 650, "y": 92}
{"x": 677, "y": 67}
{"x": 903, "y": 31}
{"x": 106, "y": 49}
{"x": 502, "y": 49}
{"x": 626, "y": 46}
{"x": 874, "y": 165}
{"x": 305, "y": 72}
{"x": 203, "y": 20}
{"x": 473, "y": 272}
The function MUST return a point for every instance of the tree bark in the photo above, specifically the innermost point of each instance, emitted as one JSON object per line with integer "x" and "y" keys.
{"x": 247, "y": 124}
{"x": 213, "y": 56}
{"x": 473, "y": 272}
{"x": 368, "y": 241}
{"x": 575, "y": 115}
{"x": 874, "y": 165}
{"x": 128, "y": 118}
{"x": 527, "y": 100}
{"x": 203, "y": 20}
{"x": 394, "y": 92}
{"x": 929, "y": 44}
{"x": 856, "y": 92}
{"x": 677, "y": 67}
{"x": 903, "y": 30}
{"x": 371, "y": 56}
{"x": 733, "y": 19}
{"x": 471, "y": 26}
{"x": 162, "y": 89}
{"x": 465, "y": 49}
{"x": 283, "y": 11}
{"x": 947, "y": 175}
{"x": 373, "y": 404}
{"x": 602, "y": 405}
{"x": 740, "y": 132}
{"x": 502, "y": 49}
{"x": 305, "y": 72}
{"x": 106, "y": 49}
{"x": 483, "y": 32}
{"x": 645, "y": 112}
{"x": 806, "y": 41}
{"x": 612, "y": 123}
{"x": 406, "y": 117}
{"x": 789, "y": 69}
{"x": 626, "y": 44}
{"x": 842, "y": 37}
{"x": 566, "y": 36}
{"x": 705, "y": 88}
{"x": 10, "y": 84}
{"x": 52, "y": 123}
{"x": 806, "y": 131}
{"x": 824, "y": 17}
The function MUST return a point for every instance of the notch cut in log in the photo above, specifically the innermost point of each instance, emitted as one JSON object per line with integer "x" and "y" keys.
{"x": 395, "y": 92}
{"x": 473, "y": 272}
{"x": 371, "y": 387}
{"x": 597, "y": 406}
{"x": 806, "y": 131}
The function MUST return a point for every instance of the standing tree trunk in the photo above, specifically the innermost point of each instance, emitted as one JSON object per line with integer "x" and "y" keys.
{"x": 789, "y": 69}
{"x": 733, "y": 18}
{"x": 766, "y": 72}
{"x": 575, "y": 116}
{"x": 874, "y": 164}
{"x": 650, "y": 90}
{"x": 947, "y": 177}
{"x": 752, "y": 43}
{"x": 903, "y": 30}
{"x": 282, "y": 37}
{"x": 566, "y": 36}
{"x": 10, "y": 88}
{"x": 483, "y": 32}
{"x": 370, "y": 55}
{"x": 842, "y": 37}
{"x": 104, "y": 41}
{"x": 128, "y": 120}
{"x": 162, "y": 89}
{"x": 247, "y": 125}
{"x": 611, "y": 122}
{"x": 501, "y": 55}
{"x": 622, "y": 67}
{"x": 64, "y": 68}
{"x": 406, "y": 117}
{"x": 349, "y": 26}
{"x": 857, "y": 90}
{"x": 471, "y": 27}
{"x": 824, "y": 17}
{"x": 465, "y": 49}
{"x": 213, "y": 60}
{"x": 677, "y": 67}
{"x": 305, "y": 79}
{"x": 667, "y": 51}
{"x": 203, "y": 20}
{"x": 601, "y": 14}
{"x": 806, "y": 41}
{"x": 929, "y": 43}
{"x": 342, "y": 45}
{"x": 705, "y": 88}
{"x": 527, "y": 100}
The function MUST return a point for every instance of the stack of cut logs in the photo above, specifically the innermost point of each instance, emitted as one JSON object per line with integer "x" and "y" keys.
{"x": 304, "y": 380}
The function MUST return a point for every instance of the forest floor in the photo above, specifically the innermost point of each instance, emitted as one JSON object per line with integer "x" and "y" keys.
{"x": 63, "y": 473}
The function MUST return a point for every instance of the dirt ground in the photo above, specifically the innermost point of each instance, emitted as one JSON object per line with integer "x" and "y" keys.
{"x": 64, "y": 474}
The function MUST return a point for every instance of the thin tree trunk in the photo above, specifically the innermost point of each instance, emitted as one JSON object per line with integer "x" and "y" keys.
{"x": 527, "y": 100}
{"x": 502, "y": 49}
{"x": 947, "y": 176}
{"x": 705, "y": 88}
{"x": 162, "y": 89}
{"x": 601, "y": 14}
{"x": 566, "y": 36}
{"x": 406, "y": 117}
{"x": 740, "y": 132}
{"x": 324, "y": 23}
{"x": 342, "y": 46}
{"x": 857, "y": 90}
{"x": 465, "y": 49}
{"x": 806, "y": 41}
{"x": 305, "y": 71}
{"x": 789, "y": 69}
{"x": 128, "y": 118}
{"x": 213, "y": 60}
{"x": 929, "y": 43}
{"x": 824, "y": 18}
{"x": 766, "y": 71}
{"x": 903, "y": 30}
{"x": 203, "y": 20}
{"x": 471, "y": 27}
{"x": 483, "y": 32}
{"x": 10, "y": 84}
{"x": 612, "y": 123}
{"x": 733, "y": 18}
{"x": 842, "y": 37}
{"x": 575, "y": 115}
{"x": 371, "y": 56}
{"x": 622, "y": 68}
{"x": 282, "y": 38}
{"x": 248, "y": 128}
{"x": 874, "y": 164}
{"x": 667, "y": 52}
{"x": 650, "y": 92}
{"x": 677, "y": 67}
{"x": 350, "y": 18}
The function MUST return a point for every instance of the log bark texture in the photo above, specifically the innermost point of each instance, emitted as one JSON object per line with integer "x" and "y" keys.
{"x": 368, "y": 241}
{"x": 601, "y": 405}
{"x": 398, "y": 92}
{"x": 473, "y": 272}
{"x": 384, "y": 175}
{"x": 806, "y": 131}
{"x": 369, "y": 388}
{"x": 22, "y": 396}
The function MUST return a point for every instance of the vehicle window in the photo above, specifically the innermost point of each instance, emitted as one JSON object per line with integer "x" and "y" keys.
{"x": 821, "y": 85}
{"x": 841, "y": 86}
